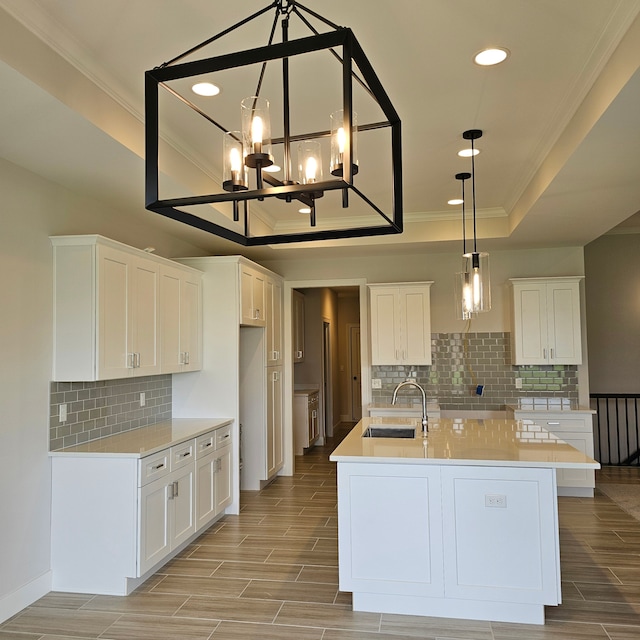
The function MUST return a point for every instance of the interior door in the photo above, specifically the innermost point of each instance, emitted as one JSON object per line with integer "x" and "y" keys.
{"x": 355, "y": 372}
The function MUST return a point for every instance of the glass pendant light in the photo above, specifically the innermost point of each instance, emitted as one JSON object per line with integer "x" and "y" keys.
{"x": 476, "y": 295}
{"x": 462, "y": 281}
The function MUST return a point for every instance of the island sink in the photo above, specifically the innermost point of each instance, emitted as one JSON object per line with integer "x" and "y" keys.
{"x": 382, "y": 431}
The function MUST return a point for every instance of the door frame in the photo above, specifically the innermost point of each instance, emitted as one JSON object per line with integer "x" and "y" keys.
{"x": 365, "y": 358}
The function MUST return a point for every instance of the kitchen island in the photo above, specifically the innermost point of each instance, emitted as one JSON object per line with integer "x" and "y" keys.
{"x": 460, "y": 524}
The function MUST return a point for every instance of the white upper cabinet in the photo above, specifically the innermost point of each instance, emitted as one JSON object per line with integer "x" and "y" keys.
{"x": 252, "y": 297}
{"x": 546, "y": 321}
{"x": 400, "y": 323}
{"x": 108, "y": 313}
{"x": 180, "y": 319}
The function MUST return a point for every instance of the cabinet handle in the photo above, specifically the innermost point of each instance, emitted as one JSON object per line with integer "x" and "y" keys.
{"x": 554, "y": 424}
{"x": 185, "y": 455}
{"x": 186, "y": 354}
{"x": 181, "y": 357}
{"x": 256, "y": 315}
{"x": 131, "y": 360}
{"x": 314, "y": 414}
{"x": 170, "y": 490}
{"x": 298, "y": 354}
{"x": 158, "y": 466}
{"x": 218, "y": 464}
{"x": 544, "y": 354}
{"x": 175, "y": 488}
{"x": 551, "y": 354}
{"x": 209, "y": 444}
{"x": 276, "y": 376}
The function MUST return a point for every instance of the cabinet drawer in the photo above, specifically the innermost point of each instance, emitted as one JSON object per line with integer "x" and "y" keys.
{"x": 182, "y": 454}
{"x": 153, "y": 467}
{"x": 205, "y": 444}
{"x": 223, "y": 437}
{"x": 556, "y": 421}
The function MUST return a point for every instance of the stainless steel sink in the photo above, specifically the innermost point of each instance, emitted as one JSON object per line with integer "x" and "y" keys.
{"x": 389, "y": 432}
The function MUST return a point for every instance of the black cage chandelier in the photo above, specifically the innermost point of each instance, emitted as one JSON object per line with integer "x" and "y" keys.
{"x": 248, "y": 151}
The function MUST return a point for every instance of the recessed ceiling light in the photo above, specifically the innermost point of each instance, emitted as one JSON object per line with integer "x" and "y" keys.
{"x": 304, "y": 210}
{"x": 206, "y": 89}
{"x": 467, "y": 153}
{"x": 488, "y": 57}
{"x": 274, "y": 168}
{"x": 455, "y": 201}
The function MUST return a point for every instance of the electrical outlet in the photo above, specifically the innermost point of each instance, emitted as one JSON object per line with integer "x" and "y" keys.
{"x": 479, "y": 389}
{"x": 62, "y": 413}
{"x": 518, "y": 383}
{"x": 376, "y": 383}
{"x": 143, "y": 399}
{"x": 495, "y": 500}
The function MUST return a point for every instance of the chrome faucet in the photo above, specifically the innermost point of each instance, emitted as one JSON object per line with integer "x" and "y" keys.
{"x": 410, "y": 383}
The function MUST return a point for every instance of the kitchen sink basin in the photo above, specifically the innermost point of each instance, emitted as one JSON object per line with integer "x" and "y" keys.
{"x": 389, "y": 432}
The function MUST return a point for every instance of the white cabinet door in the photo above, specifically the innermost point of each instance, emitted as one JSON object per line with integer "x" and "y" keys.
{"x": 223, "y": 476}
{"x": 416, "y": 326}
{"x": 386, "y": 547}
{"x": 183, "y": 521}
{"x": 155, "y": 534}
{"x": 114, "y": 357}
{"x": 273, "y": 304}
{"x": 181, "y": 320}
{"x": 298, "y": 326}
{"x": 170, "y": 294}
{"x": 143, "y": 320}
{"x": 546, "y": 321}
{"x": 385, "y": 326}
{"x": 191, "y": 322}
{"x": 274, "y": 441}
{"x": 400, "y": 324}
{"x": 506, "y": 550}
{"x": 252, "y": 297}
{"x": 564, "y": 334}
{"x": 205, "y": 490}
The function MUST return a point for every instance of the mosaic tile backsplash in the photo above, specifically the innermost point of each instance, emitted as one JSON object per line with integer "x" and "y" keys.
{"x": 99, "y": 409}
{"x": 462, "y": 361}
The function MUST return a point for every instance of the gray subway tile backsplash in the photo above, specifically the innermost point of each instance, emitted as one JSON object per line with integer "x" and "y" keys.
{"x": 461, "y": 362}
{"x": 100, "y": 409}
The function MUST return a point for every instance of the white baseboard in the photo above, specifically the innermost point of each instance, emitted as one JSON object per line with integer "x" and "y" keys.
{"x": 26, "y": 595}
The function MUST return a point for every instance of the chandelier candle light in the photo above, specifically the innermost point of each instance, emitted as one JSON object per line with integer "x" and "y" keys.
{"x": 248, "y": 162}
{"x": 473, "y": 289}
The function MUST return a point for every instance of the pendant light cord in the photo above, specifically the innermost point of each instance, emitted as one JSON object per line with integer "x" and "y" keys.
{"x": 473, "y": 193}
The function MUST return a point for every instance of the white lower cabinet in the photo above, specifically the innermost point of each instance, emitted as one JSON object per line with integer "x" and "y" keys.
{"x": 167, "y": 516}
{"x": 116, "y": 518}
{"x": 576, "y": 429}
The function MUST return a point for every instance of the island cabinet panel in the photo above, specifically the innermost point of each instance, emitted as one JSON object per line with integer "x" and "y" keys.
{"x": 396, "y": 548}
{"x": 500, "y": 535}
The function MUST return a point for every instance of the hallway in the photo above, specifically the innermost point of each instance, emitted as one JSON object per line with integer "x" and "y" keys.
{"x": 271, "y": 574}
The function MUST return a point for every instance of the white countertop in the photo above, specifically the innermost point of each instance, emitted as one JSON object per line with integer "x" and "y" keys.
{"x": 458, "y": 441}
{"x": 145, "y": 441}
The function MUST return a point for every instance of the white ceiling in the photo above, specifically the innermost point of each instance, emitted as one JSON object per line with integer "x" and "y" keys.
{"x": 560, "y": 154}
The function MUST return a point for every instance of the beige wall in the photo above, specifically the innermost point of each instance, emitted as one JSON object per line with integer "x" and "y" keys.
{"x": 33, "y": 209}
{"x": 440, "y": 267}
{"x": 612, "y": 287}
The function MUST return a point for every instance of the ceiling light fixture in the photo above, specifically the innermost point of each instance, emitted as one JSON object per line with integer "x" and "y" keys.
{"x": 248, "y": 154}
{"x": 473, "y": 288}
{"x": 207, "y": 89}
{"x": 490, "y": 57}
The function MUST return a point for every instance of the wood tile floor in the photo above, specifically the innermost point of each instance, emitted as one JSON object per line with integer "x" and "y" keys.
{"x": 271, "y": 574}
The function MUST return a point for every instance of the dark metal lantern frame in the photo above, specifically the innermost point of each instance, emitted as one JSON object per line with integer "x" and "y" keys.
{"x": 352, "y": 54}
